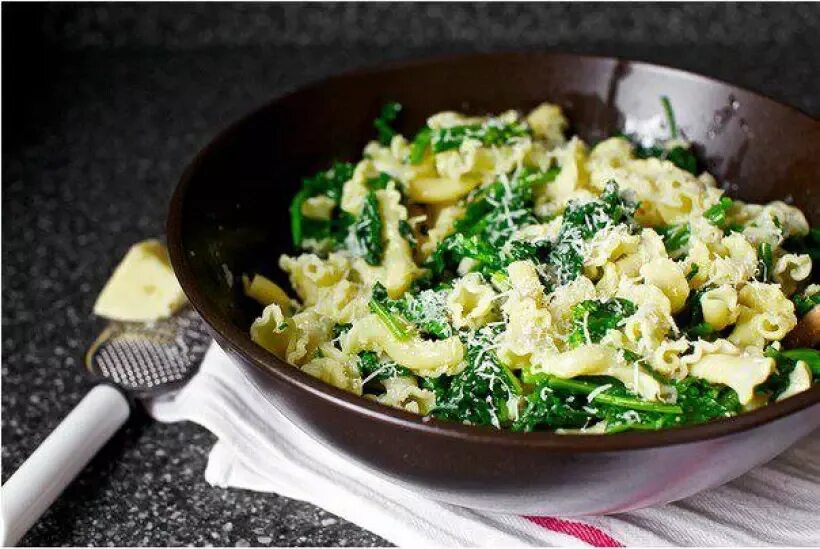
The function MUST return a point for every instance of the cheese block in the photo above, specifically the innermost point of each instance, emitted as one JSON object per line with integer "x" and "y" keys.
{"x": 143, "y": 287}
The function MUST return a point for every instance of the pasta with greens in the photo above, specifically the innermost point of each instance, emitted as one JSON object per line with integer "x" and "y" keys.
{"x": 493, "y": 271}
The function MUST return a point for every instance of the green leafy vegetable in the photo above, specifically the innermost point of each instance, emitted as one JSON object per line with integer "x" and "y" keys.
{"x": 426, "y": 310}
{"x": 592, "y": 319}
{"x": 581, "y": 222}
{"x": 371, "y": 368}
{"x": 703, "y": 401}
{"x": 383, "y": 123}
{"x": 682, "y": 157}
{"x": 675, "y": 237}
{"x": 670, "y": 117}
{"x": 716, "y": 214}
{"x": 328, "y": 183}
{"x": 764, "y": 262}
{"x": 482, "y": 392}
{"x": 379, "y": 182}
{"x": 803, "y": 303}
{"x": 367, "y": 231}
{"x": 616, "y": 395}
{"x": 419, "y": 145}
{"x": 491, "y": 217}
{"x": 693, "y": 271}
{"x": 380, "y": 305}
{"x": 406, "y": 232}
{"x": 810, "y": 356}
{"x": 544, "y": 408}
{"x": 691, "y": 319}
{"x": 491, "y": 132}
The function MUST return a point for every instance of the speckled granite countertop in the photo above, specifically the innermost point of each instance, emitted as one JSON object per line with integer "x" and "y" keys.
{"x": 104, "y": 106}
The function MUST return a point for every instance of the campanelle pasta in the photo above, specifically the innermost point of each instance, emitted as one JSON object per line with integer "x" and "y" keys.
{"x": 493, "y": 270}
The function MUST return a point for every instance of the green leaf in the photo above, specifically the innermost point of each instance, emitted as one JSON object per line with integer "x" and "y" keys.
{"x": 804, "y": 303}
{"x": 419, "y": 145}
{"x": 764, "y": 262}
{"x": 614, "y": 396}
{"x": 368, "y": 231}
{"x": 491, "y": 218}
{"x": 716, "y": 214}
{"x": 380, "y": 305}
{"x": 675, "y": 237}
{"x": 406, "y": 232}
{"x": 328, "y": 183}
{"x": 379, "y": 182}
{"x": 480, "y": 394}
{"x": 592, "y": 319}
{"x": 670, "y": 117}
{"x": 370, "y": 368}
{"x": 490, "y": 133}
{"x": 693, "y": 271}
{"x": 387, "y": 116}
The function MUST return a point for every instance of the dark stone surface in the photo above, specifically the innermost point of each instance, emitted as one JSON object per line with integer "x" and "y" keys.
{"x": 103, "y": 106}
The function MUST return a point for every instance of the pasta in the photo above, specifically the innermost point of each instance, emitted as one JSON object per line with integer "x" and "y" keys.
{"x": 495, "y": 271}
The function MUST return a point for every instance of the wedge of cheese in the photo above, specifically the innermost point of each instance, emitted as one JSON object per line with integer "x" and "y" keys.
{"x": 143, "y": 287}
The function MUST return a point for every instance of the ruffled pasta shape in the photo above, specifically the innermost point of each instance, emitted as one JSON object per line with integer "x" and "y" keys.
{"x": 309, "y": 273}
{"x": 293, "y": 339}
{"x": 426, "y": 358}
{"x": 335, "y": 368}
{"x": 404, "y": 393}
{"x": 471, "y": 302}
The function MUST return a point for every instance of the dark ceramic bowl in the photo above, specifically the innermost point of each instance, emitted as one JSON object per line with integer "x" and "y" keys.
{"x": 230, "y": 212}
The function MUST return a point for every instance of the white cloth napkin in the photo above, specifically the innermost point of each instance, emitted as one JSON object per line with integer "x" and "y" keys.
{"x": 260, "y": 449}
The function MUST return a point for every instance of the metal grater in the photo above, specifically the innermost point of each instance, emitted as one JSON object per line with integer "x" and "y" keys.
{"x": 144, "y": 359}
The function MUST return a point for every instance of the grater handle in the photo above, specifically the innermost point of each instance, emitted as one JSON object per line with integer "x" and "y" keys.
{"x": 57, "y": 461}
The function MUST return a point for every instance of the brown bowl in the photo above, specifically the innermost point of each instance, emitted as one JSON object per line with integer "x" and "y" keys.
{"x": 229, "y": 214}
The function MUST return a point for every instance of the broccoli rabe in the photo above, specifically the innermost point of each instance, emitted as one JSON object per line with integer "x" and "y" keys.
{"x": 491, "y": 217}
{"x": 387, "y": 116}
{"x": 592, "y": 319}
{"x": 370, "y": 368}
{"x": 803, "y": 303}
{"x": 581, "y": 222}
{"x": 406, "y": 232}
{"x": 716, "y": 214}
{"x": 764, "y": 262}
{"x": 424, "y": 312}
{"x": 545, "y": 409}
{"x": 380, "y": 305}
{"x": 558, "y": 402}
{"x": 681, "y": 157}
{"x": 378, "y": 182}
{"x": 328, "y": 183}
{"x": 484, "y": 392}
{"x": 367, "y": 231}
{"x": 675, "y": 237}
{"x": 787, "y": 359}
{"x": 703, "y": 401}
{"x": 492, "y": 132}
{"x": 691, "y": 319}
{"x": 419, "y": 145}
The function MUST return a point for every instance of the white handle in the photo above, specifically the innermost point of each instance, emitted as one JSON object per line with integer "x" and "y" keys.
{"x": 61, "y": 456}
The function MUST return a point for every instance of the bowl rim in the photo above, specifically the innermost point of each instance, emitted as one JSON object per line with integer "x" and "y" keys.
{"x": 267, "y": 363}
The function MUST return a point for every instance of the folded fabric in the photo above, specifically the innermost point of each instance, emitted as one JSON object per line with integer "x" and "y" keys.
{"x": 259, "y": 449}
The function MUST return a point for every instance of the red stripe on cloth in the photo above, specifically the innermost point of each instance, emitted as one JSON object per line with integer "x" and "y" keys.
{"x": 584, "y": 532}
